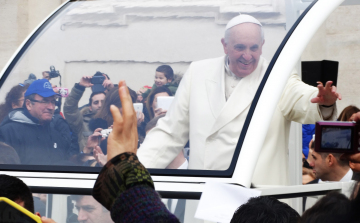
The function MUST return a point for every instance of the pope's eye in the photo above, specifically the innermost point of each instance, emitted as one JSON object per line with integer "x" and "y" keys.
{"x": 254, "y": 48}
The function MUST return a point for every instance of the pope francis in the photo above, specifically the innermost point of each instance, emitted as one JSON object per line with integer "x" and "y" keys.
{"x": 213, "y": 100}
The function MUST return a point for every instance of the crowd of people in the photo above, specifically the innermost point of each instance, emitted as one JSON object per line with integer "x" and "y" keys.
{"x": 210, "y": 104}
{"x": 33, "y": 123}
{"x": 137, "y": 201}
{"x": 125, "y": 188}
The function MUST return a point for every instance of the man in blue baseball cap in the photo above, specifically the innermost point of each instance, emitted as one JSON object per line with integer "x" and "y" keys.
{"x": 38, "y": 136}
{"x": 40, "y": 100}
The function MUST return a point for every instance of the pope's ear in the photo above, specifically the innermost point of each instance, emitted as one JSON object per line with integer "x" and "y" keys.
{"x": 224, "y": 45}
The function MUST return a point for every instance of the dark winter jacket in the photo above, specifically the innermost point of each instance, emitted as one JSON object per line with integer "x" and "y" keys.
{"x": 48, "y": 144}
{"x": 126, "y": 189}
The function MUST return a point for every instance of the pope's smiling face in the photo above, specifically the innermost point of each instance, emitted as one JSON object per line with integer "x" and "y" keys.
{"x": 243, "y": 45}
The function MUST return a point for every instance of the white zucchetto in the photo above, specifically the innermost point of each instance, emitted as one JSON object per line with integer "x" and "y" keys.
{"x": 241, "y": 19}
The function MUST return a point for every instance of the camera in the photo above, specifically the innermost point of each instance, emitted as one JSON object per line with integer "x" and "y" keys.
{"x": 63, "y": 92}
{"x": 105, "y": 132}
{"x": 53, "y": 73}
{"x": 97, "y": 80}
{"x": 337, "y": 137}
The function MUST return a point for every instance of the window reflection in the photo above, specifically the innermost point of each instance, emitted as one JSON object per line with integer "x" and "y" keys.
{"x": 89, "y": 210}
{"x": 85, "y": 209}
{"x": 86, "y": 50}
{"x": 71, "y": 208}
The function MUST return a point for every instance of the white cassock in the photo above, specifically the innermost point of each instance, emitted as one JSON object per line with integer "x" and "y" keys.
{"x": 205, "y": 113}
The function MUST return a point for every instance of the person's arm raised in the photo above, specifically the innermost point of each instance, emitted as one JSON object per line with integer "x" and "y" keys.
{"x": 71, "y": 109}
{"x": 85, "y": 81}
{"x": 327, "y": 95}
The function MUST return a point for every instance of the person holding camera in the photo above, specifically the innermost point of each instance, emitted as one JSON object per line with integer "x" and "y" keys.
{"x": 52, "y": 74}
{"x": 124, "y": 186}
{"x": 103, "y": 120}
{"x": 79, "y": 119}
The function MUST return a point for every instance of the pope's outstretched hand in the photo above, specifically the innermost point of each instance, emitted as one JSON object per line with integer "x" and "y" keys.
{"x": 327, "y": 95}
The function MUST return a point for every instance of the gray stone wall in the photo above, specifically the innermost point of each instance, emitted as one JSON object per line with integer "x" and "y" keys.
{"x": 18, "y": 18}
{"x": 338, "y": 40}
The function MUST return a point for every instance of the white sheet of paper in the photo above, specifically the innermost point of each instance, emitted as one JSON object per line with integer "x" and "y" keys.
{"x": 219, "y": 201}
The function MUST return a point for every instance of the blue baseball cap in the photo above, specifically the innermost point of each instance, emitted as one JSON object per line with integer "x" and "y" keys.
{"x": 41, "y": 87}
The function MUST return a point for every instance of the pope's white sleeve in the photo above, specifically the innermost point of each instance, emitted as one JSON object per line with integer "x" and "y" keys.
{"x": 164, "y": 142}
{"x": 295, "y": 103}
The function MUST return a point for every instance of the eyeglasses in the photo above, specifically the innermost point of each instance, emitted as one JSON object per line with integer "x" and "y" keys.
{"x": 44, "y": 102}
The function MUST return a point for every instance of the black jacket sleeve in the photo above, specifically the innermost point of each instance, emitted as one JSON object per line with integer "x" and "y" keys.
{"x": 125, "y": 187}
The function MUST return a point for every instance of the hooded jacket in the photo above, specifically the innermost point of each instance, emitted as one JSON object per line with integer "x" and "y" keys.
{"x": 48, "y": 144}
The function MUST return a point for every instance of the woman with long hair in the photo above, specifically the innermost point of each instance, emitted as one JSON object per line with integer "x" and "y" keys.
{"x": 151, "y": 102}
{"x": 112, "y": 98}
{"x": 104, "y": 120}
{"x": 14, "y": 99}
{"x": 347, "y": 113}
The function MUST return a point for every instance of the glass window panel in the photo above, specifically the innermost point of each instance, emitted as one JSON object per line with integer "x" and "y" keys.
{"x": 71, "y": 208}
{"x": 129, "y": 40}
{"x": 84, "y": 208}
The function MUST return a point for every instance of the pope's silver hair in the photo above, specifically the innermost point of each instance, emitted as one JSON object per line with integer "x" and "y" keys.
{"x": 227, "y": 34}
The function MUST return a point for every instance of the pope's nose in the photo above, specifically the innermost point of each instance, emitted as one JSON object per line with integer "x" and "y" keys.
{"x": 247, "y": 57}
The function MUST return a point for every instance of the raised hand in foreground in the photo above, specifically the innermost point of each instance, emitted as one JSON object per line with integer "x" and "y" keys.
{"x": 124, "y": 186}
{"x": 124, "y": 136}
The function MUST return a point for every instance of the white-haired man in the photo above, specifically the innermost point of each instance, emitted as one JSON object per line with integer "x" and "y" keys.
{"x": 212, "y": 103}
